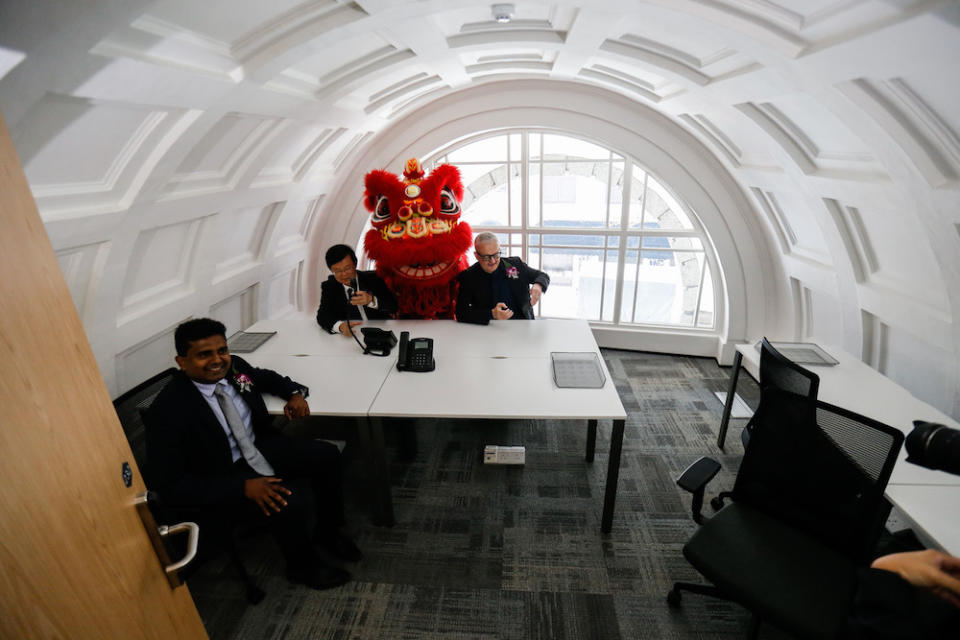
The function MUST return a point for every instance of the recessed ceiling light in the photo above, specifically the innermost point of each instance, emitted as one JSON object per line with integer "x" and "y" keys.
{"x": 502, "y": 13}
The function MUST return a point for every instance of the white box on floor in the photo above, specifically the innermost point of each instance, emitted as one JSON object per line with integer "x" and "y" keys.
{"x": 496, "y": 454}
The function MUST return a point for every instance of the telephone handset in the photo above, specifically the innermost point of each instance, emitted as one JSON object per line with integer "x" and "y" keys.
{"x": 416, "y": 354}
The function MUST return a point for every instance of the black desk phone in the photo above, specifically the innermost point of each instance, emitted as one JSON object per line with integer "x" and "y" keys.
{"x": 416, "y": 354}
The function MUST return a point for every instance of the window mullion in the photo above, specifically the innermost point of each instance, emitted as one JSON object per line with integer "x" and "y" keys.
{"x": 625, "y": 180}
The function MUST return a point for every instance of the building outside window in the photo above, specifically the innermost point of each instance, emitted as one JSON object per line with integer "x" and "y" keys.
{"x": 619, "y": 246}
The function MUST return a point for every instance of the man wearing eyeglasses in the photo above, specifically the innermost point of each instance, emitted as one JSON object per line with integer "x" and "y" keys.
{"x": 498, "y": 288}
{"x": 348, "y": 296}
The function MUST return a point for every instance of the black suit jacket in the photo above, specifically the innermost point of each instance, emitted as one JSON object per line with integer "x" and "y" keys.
{"x": 475, "y": 298}
{"x": 335, "y": 306}
{"x": 188, "y": 453}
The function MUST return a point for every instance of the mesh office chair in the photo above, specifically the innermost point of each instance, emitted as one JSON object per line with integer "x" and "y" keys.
{"x": 807, "y": 511}
{"x": 130, "y": 407}
{"x": 777, "y": 373}
{"x": 780, "y": 373}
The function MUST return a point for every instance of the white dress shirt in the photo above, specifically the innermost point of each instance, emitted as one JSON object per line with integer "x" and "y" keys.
{"x": 206, "y": 389}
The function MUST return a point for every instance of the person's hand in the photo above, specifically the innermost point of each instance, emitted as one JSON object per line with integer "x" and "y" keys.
{"x": 345, "y": 326}
{"x": 296, "y": 407}
{"x": 535, "y": 292}
{"x": 361, "y": 298}
{"x": 501, "y": 312}
{"x": 928, "y": 569}
{"x": 267, "y": 492}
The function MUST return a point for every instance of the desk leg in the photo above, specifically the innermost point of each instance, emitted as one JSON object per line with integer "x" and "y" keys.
{"x": 379, "y": 474}
{"x": 728, "y": 405}
{"x": 591, "y": 439}
{"x": 613, "y": 475}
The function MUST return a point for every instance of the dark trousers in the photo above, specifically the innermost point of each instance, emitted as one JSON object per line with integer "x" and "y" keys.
{"x": 311, "y": 470}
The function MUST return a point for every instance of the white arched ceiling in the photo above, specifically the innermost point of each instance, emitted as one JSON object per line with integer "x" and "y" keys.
{"x": 192, "y": 157}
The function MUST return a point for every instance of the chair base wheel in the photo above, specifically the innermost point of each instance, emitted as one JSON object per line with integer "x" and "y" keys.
{"x": 716, "y": 503}
{"x": 673, "y": 598}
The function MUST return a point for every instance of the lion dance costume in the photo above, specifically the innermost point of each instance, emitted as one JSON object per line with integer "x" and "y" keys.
{"x": 417, "y": 239}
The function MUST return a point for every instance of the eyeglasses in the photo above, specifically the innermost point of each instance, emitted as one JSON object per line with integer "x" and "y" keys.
{"x": 338, "y": 272}
{"x": 488, "y": 258}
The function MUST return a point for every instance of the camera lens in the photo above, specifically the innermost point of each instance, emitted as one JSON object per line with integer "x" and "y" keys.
{"x": 934, "y": 446}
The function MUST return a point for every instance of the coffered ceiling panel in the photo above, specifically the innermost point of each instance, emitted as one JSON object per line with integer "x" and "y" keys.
{"x": 217, "y": 161}
{"x": 916, "y": 121}
{"x": 816, "y": 140}
{"x": 160, "y": 268}
{"x": 227, "y": 39}
{"x": 242, "y": 236}
{"x": 302, "y": 150}
{"x": 82, "y": 269}
{"x": 889, "y": 250}
{"x": 293, "y": 225}
{"x": 121, "y": 144}
{"x": 283, "y": 291}
{"x": 795, "y": 225}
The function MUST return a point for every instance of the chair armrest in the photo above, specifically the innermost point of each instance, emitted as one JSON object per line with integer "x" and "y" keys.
{"x": 694, "y": 479}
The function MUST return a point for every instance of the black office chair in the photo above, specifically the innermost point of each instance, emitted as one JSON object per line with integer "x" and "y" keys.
{"x": 779, "y": 372}
{"x": 130, "y": 407}
{"x": 807, "y": 511}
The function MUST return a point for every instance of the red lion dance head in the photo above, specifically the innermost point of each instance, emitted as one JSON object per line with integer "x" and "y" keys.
{"x": 417, "y": 240}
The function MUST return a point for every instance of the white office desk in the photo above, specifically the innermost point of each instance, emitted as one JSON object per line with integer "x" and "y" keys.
{"x": 854, "y": 385}
{"x": 502, "y": 370}
{"x": 339, "y": 385}
{"x": 493, "y": 387}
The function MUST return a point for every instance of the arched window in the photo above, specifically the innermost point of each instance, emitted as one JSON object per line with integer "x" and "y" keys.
{"x": 619, "y": 246}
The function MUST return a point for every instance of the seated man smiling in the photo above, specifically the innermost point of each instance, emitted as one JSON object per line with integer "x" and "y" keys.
{"x": 212, "y": 450}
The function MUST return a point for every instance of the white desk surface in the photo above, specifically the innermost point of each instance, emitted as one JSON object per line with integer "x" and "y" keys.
{"x": 299, "y": 334}
{"x": 339, "y": 385}
{"x": 934, "y": 510}
{"x": 856, "y": 386}
{"x": 475, "y": 387}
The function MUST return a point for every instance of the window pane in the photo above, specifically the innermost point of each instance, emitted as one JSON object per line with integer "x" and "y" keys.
{"x": 485, "y": 194}
{"x": 655, "y": 242}
{"x": 533, "y": 195}
{"x": 516, "y": 194}
{"x": 515, "y": 147}
{"x": 556, "y": 146}
{"x": 638, "y": 185}
{"x": 534, "y": 140}
{"x": 661, "y": 209}
{"x": 629, "y": 285}
{"x": 609, "y": 287}
{"x": 487, "y": 150}
{"x": 616, "y": 196}
{"x": 705, "y": 318}
{"x": 667, "y": 289}
{"x": 574, "y": 194}
{"x": 575, "y": 276}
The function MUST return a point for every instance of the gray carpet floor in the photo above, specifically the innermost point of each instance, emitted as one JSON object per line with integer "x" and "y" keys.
{"x": 497, "y": 552}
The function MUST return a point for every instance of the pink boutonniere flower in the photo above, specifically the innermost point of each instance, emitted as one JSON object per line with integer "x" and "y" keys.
{"x": 513, "y": 273}
{"x": 243, "y": 382}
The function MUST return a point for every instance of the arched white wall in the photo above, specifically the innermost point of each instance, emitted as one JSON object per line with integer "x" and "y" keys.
{"x": 680, "y": 160}
{"x": 193, "y": 158}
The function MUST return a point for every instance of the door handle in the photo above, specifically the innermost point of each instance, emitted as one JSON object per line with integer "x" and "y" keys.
{"x": 194, "y": 530}
{"x": 158, "y": 533}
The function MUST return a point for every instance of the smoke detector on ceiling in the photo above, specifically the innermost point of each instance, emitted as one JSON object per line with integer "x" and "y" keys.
{"x": 502, "y": 13}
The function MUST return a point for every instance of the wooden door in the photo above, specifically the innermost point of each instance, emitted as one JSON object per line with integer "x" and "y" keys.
{"x": 75, "y": 560}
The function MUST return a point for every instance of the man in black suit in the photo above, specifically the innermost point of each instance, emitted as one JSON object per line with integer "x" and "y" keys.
{"x": 349, "y": 294}
{"x": 213, "y": 453}
{"x": 495, "y": 288}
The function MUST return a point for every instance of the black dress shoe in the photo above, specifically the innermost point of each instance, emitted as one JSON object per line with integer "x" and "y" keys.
{"x": 319, "y": 577}
{"x": 340, "y": 546}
